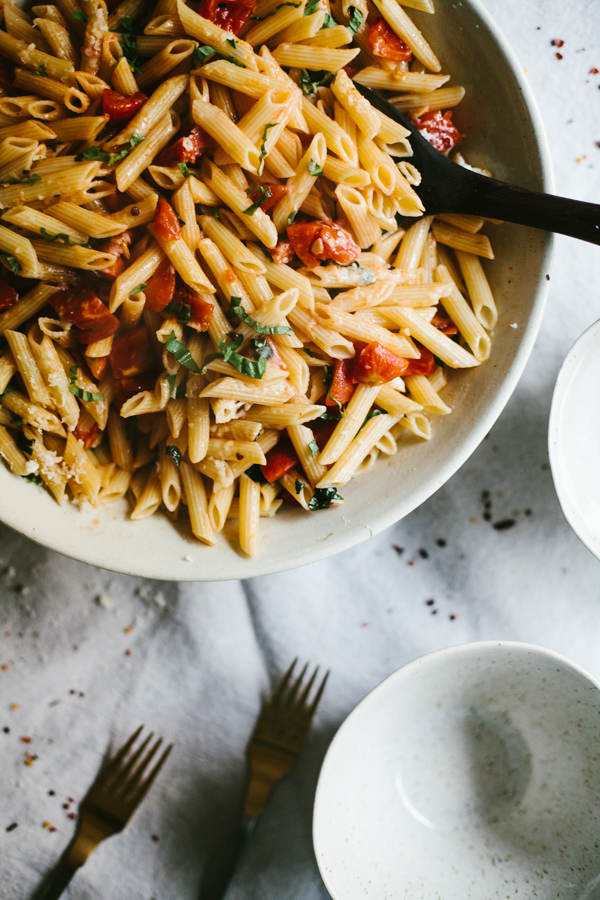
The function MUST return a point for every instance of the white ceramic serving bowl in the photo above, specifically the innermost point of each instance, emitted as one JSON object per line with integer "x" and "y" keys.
{"x": 504, "y": 133}
{"x": 574, "y": 437}
{"x": 472, "y": 773}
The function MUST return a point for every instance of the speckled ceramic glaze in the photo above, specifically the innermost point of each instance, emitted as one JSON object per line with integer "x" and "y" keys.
{"x": 504, "y": 134}
{"x": 574, "y": 437}
{"x": 472, "y": 773}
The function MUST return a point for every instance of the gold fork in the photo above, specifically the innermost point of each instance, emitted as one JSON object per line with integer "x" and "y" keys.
{"x": 118, "y": 790}
{"x": 272, "y": 752}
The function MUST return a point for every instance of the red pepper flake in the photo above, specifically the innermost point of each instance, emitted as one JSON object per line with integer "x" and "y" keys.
{"x": 71, "y": 799}
{"x": 399, "y": 550}
{"x": 49, "y": 826}
{"x": 557, "y": 42}
{"x": 558, "y": 55}
{"x": 71, "y": 815}
{"x": 51, "y": 793}
{"x": 4, "y": 667}
{"x": 365, "y": 624}
{"x": 30, "y": 758}
{"x": 452, "y": 617}
{"x": 65, "y": 806}
{"x": 504, "y": 524}
{"x": 594, "y": 71}
{"x": 128, "y": 653}
{"x": 423, "y": 553}
{"x": 6, "y": 729}
{"x": 155, "y": 838}
{"x": 429, "y": 602}
{"x": 412, "y": 561}
{"x": 14, "y": 705}
{"x": 27, "y": 740}
{"x": 441, "y": 542}
{"x": 12, "y": 826}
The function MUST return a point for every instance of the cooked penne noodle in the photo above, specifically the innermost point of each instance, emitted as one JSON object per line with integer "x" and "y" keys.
{"x": 478, "y": 287}
{"x": 473, "y": 244}
{"x": 444, "y": 99}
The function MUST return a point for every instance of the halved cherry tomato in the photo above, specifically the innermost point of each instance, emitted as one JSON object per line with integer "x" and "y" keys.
{"x": 438, "y": 129}
{"x": 8, "y": 296}
{"x": 277, "y": 191}
{"x": 129, "y": 387}
{"x": 277, "y": 359}
{"x": 280, "y": 460}
{"x": 88, "y": 435}
{"x": 132, "y": 354}
{"x": 314, "y": 241}
{"x": 166, "y": 223}
{"x": 378, "y": 365}
{"x": 386, "y": 44}
{"x": 118, "y": 246}
{"x": 231, "y": 15}
{"x": 119, "y": 107}
{"x": 423, "y": 366}
{"x": 201, "y": 311}
{"x": 282, "y": 252}
{"x": 187, "y": 149}
{"x": 97, "y": 366}
{"x": 161, "y": 287}
{"x": 342, "y": 383}
{"x": 444, "y": 324}
{"x": 87, "y": 311}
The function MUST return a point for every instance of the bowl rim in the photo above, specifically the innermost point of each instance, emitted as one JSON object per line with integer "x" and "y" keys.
{"x": 563, "y": 385}
{"x": 470, "y": 648}
{"x": 177, "y": 568}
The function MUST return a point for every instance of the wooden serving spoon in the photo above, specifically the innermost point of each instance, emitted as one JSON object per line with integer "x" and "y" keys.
{"x": 449, "y": 188}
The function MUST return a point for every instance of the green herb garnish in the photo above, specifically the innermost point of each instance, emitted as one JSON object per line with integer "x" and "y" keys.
{"x": 55, "y": 237}
{"x": 263, "y": 149}
{"x": 265, "y": 193}
{"x": 314, "y": 168}
{"x": 80, "y": 16}
{"x": 29, "y": 179}
{"x": 369, "y": 415}
{"x": 355, "y": 21}
{"x": 14, "y": 264}
{"x": 17, "y": 422}
{"x": 299, "y": 486}
{"x": 202, "y": 54}
{"x": 253, "y": 368}
{"x": 311, "y": 7}
{"x": 255, "y": 472}
{"x": 313, "y": 447}
{"x": 88, "y": 396}
{"x": 24, "y": 444}
{"x": 174, "y": 453}
{"x": 292, "y": 216}
{"x": 260, "y": 329}
{"x": 184, "y": 169}
{"x": 329, "y": 22}
{"x": 128, "y": 41}
{"x": 181, "y": 353}
{"x": 138, "y": 289}
{"x": 231, "y": 42}
{"x": 323, "y": 498}
{"x": 96, "y": 153}
{"x": 42, "y": 71}
{"x": 33, "y": 478}
{"x": 310, "y": 83}
{"x": 179, "y": 311}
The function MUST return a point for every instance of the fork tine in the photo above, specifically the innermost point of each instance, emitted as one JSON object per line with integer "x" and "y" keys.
{"x": 288, "y": 700}
{"x": 123, "y": 774}
{"x": 282, "y": 684}
{"x": 136, "y": 776}
{"x": 111, "y": 765}
{"x": 305, "y": 721}
{"x": 150, "y": 778}
{"x": 300, "y": 705}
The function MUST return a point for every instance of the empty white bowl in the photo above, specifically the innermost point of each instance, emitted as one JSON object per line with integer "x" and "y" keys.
{"x": 574, "y": 437}
{"x": 504, "y": 134}
{"x": 472, "y": 773}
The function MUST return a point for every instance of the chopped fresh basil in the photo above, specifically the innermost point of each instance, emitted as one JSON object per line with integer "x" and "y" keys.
{"x": 136, "y": 139}
{"x": 310, "y": 353}
{"x": 329, "y": 22}
{"x": 33, "y": 478}
{"x": 24, "y": 444}
{"x": 253, "y": 368}
{"x": 311, "y": 7}
{"x": 179, "y": 311}
{"x": 260, "y": 329}
{"x": 181, "y": 222}
{"x": 128, "y": 40}
{"x": 181, "y": 353}
{"x": 172, "y": 386}
{"x": 184, "y": 169}
{"x": 263, "y": 347}
{"x": 55, "y": 237}
{"x": 80, "y": 16}
{"x": 6, "y": 390}
{"x": 263, "y": 148}
{"x": 174, "y": 453}
{"x": 138, "y": 289}
{"x": 231, "y": 42}
{"x": 369, "y": 415}
{"x": 42, "y": 71}
{"x": 29, "y": 179}
{"x": 314, "y": 168}
{"x": 342, "y": 414}
{"x": 255, "y": 472}
{"x": 313, "y": 447}
{"x": 131, "y": 427}
{"x": 216, "y": 212}
{"x": 208, "y": 359}
{"x": 299, "y": 486}
{"x": 292, "y": 216}
{"x": 88, "y": 396}
{"x": 264, "y": 192}
{"x": 109, "y": 158}
{"x": 310, "y": 82}
{"x": 17, "y": 422}
{"x": 202, "y": 54}
{"x": 273, "y": 11}
{"x": 331, "y": 417}
{"x": 53, "y": 144}
{"x": 14, "y": 264}
{"x": 355, "y": 20}
{"x": 323, "y": 498}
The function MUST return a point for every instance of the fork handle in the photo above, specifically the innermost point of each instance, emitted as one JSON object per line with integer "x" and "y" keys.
{"x": 220, "y": 869}
{"x": 56, "y": 882}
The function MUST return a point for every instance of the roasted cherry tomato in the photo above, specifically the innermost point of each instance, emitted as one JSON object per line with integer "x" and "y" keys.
{"x": 438, "y": 129}
{"x": 8, "y": 296}
{"x": 280, "y": 460}
{"x": 87, "y": 435}
{"x": 187, "y": 149}
{"x": 118, "y": 246}
{"x": 132, "y": 354}
{"x": 277, "y": 191}
{"x": 201, "y": 311}
{"x": 444, "y": 324}
{"x": 97, "y": 366}
{"x": 231, "y": 15}
{"x": 119, "y": 107}
{"x": 87, "y": 311}
{"x": 161, "y": 287}
{"x": 377, "y": 365}
{"x": 423, "y": 366}
{"x": 386, "y": 44}
{"x": 282, "y": 252}
{"x": 129, "y": 387}
{"x": 342, "y": 383}
{"x": 166, "y": 223}
{"x": 314, "y": 241}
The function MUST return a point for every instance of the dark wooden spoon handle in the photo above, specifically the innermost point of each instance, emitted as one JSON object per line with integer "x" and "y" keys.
{"x": 481, "y": 196}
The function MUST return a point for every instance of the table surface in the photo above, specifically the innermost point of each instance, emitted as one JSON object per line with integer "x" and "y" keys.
{"x": 86, "y": 655}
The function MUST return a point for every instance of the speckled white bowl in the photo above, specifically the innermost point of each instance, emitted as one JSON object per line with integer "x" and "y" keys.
{"x": 504, "y": 133}
{"x": 472, "y": 773}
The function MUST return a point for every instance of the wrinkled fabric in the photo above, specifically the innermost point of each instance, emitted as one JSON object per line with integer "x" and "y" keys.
{"x": 90, "y": 655}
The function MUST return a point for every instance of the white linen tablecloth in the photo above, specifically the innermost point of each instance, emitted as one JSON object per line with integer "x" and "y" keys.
{"x": 86, "y": 655}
